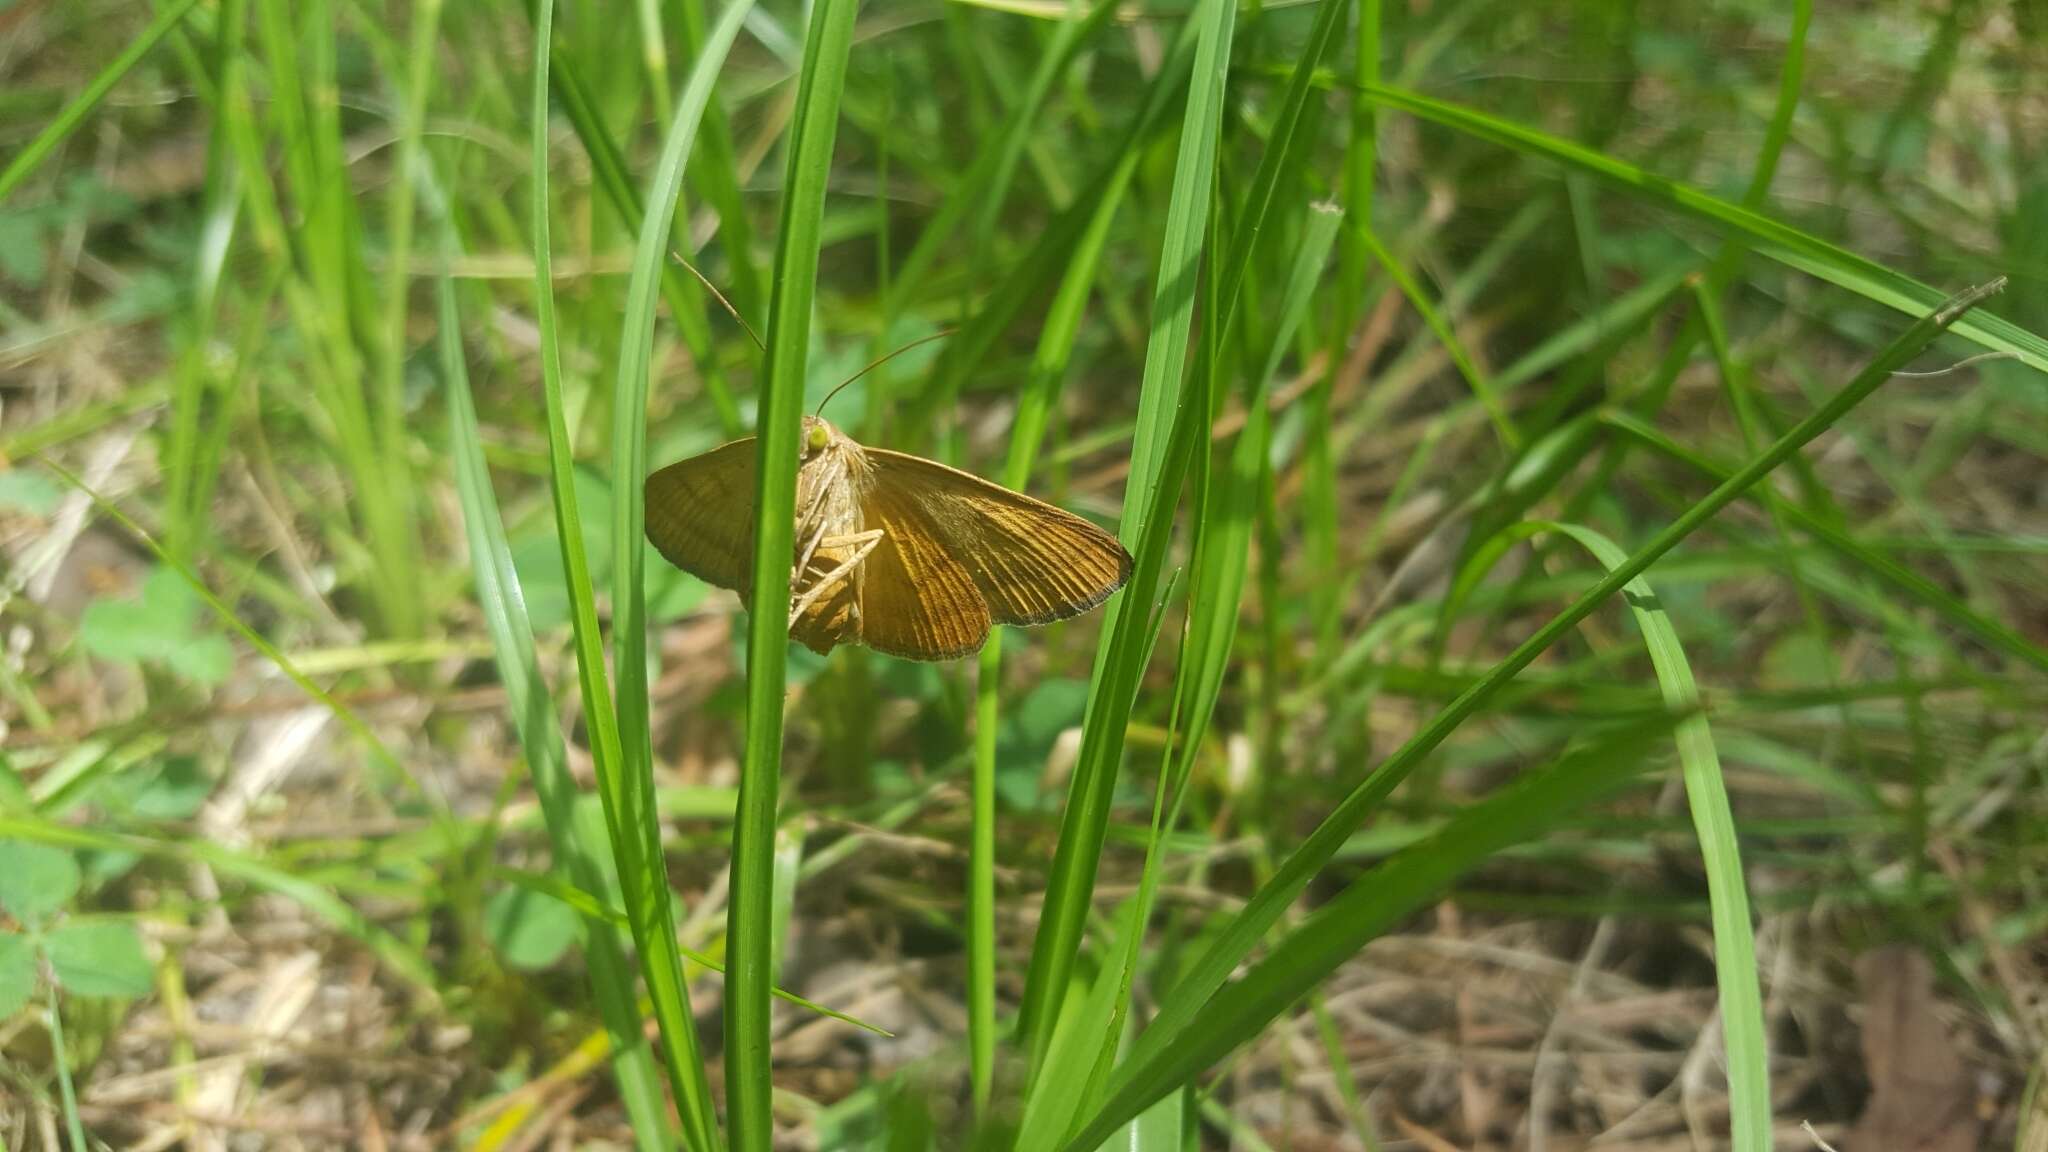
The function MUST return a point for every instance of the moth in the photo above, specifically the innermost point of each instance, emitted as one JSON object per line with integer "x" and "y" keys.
{"x": 895, "y": 552}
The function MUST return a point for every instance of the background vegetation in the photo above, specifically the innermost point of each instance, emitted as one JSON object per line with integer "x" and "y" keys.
{"x": 1584, "y": 674}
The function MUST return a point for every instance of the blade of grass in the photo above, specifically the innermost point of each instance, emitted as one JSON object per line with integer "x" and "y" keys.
{"x": 1893, "y": 574}
{"x": 1090, "y": 1027}
{"x": 406, "y": 177}
{"x": 1780, "y": 241}
{"x": 984, "y": 188}
{"x": 1079, "y": 846}
{"x": 1072, "y": 1084}
{"x": 191, "y": 464}
{"x": 1367, "y": 907}
{"x": 629, "y": 817}
{"x": 1319, "y": 500}
{"x": 67, "y": 1092}
{"x": 1189, "y": 997}
{"x": 73, "y": 114}
{"x": 302, "y": 40}
{"x": 717, "y": 176}
{"x": 965, "y": 352}
{"x": 1049, "y": 365}
{"x": 749, "y": 922}
{"x": 1277, "y": 161}
{"x": 1791, "y": 76}
{"x": 1742, "y": 1009}
{"x": 1484, "y": 391}
{"x": 678, "y": 289}
{"x": 1161, "y": 396}
{"x": 540, "y": 736}
{"x": 1223, "y": 559}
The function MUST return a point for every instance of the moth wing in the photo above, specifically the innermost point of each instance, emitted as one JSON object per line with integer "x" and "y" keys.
{"x": 1032, "y": 563}
{"x": 917, "y": 599}
{"x": 700, "y": 514}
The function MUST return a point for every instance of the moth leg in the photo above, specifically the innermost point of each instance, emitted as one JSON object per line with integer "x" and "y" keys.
{"x": 825, "y": 483}
{"x": 862, "y": 544}
{"x": 810, "y": 549}
{"x": 811, "y": 512}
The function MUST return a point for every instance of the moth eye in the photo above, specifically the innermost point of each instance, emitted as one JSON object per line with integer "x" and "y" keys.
{"x": 816, "y": 441}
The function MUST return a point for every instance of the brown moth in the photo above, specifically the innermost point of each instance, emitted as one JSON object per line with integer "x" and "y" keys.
{"x": 901, "y": 554}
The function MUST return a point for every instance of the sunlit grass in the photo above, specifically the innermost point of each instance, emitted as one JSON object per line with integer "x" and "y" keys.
{"x": 1495, "y": 445}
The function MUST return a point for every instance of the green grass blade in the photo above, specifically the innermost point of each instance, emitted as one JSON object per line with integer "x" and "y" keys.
{"x": 1894, "y": 574}
{"x": 985, "y": 187}
{"x": 1054, "y": 250}
{"x": 717, "y": 175}
{"x": 1072, "y": 1082}
{"x": 1249, "y": 926}
{"x": 793, "y": 285}
{"x": 1049, "y": 364}
{"x": 642, "y": 877}
{"x": 73, "y": 114}
{"x": 1161, "y": 394}
{"x": 1780, "y": 241}
{"x": 1221, "y": 563}
{"x": 637, "y": 819}
{"x": 1791, "y": 77}
{"x": 1277, "y": 160}
{"x": 540, "y": 736}
{"x": 1080, "y": 1035}
{"x": 981, "y": 879}
{"x": 678, "y": 288}
{"x": 1370, "y": 905}
{"x": 1742, "y": 1009}
{"x": 1482, "y": 389}
{"x": 408, "y": 174}
{"x": 1319, "y": 501}
{"x": 1090, "y": 1027}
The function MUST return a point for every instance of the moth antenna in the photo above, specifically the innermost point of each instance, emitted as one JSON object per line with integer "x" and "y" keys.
{"x": 939, "y": 335}
{"x": 713, "y": 289}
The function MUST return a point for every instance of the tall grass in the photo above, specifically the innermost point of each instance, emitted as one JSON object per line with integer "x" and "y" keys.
{"x": 792, "y": 287}
{"x": 1246, "y": 264}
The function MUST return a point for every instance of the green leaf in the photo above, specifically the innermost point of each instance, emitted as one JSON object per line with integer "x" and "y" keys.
{"x": 100, "y": 958}
{"x": 22, "y": 253}
{"x": 176, "y": 791}
{"x": 35, "y": 880}
{"x": 17, "y": 972}
{"x": 20, "y": 491}
{"x": 530, "y": 930}
{"x": 161, "y": 626}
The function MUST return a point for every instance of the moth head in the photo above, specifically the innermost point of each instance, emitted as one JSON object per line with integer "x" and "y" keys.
{"x": 817, "y": 435}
